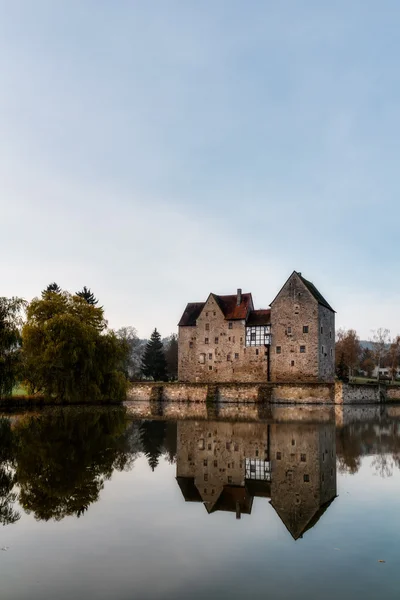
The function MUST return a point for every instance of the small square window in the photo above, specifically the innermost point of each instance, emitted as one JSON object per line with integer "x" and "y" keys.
{"x": 190, "y": 344}
{"x": 306, "y": 478}
{"x": 230, "y": 325}
{"x": 205, "y": 477}
{"x": 215, "y": 463}
{"x": 210, "y": 356}
{"x": 289, "y": 330}
{"x": 303, "y": 457}
{"x": 209, "y": 446}
{"x": 278, "y": 456}
{"x": 207, "y": 326}
{"x": 305, "y": 328}
{"x": 206, "y": 340}
{"x": 228, "y": 357}
{"x": 214, "y": 313}
{"x": 205, "y": 462}
{"x": 216, "y": 340}
{"x": 210, "y": 368}
{"x": 278, "y": 349}
{"x": 292, "y": 363}
{"x": 236, "y": 355}
{"x": 302, "y": 349}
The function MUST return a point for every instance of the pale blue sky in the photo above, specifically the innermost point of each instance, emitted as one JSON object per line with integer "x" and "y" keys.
{"x": 157, "y": 151}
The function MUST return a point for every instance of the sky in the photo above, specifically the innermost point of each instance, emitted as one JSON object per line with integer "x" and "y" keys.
{"x": 159, "y": 151}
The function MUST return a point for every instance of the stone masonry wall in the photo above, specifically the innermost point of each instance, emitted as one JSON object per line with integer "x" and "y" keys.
{"x": 221, "y": 343}
{"x": 326, "y": 344}
{"x": 293, "y": 309}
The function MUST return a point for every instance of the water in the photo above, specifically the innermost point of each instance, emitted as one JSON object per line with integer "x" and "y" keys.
{"x": 282, "y": 503}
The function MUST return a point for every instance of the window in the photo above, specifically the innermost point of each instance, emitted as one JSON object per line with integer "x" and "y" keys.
{"x": 229, "y": 338}
{"x": 214, "y": 313}
{"x": 322, "y": 349}
{"x": 293, "y": 442}
{"x": 205, "y": 462}
{"x": 202, "y": 359}
{"x": 236, "y": 447}
{"x": 215, "y": 463}
{"x": 209, "y": 446}
{"x": 331, "y": 352}
{"x": 207, "y": 326}
{"x": 190, "y": 344}
{"x": 302, "y": 349}
{"x": 257, "y": 352}
{"x": 228, "y": 445}
{"x": 236, "y": 355}
{"x": 206, "y": 340}
{"x": 228, "y": 357}
{"x": 206, "y": 314}
{"x": 305, "y": 328}
{"x": 229, "y": 479}
{"x": 230, "y": 325}
{"x": 292, "y": 363}
{"x": 256, "y": 452}
{"x": 216, "y": 340}
{"x": 303, "y": 457}
{"x": 210, "y": 356}
{"x": 306, "y": 478}
{"x": 253, "y": 336}
{"x": 210, "y": 368}
{"x": 289, "y": 331}
{"x": 205, "y": 477}
{"x": 322, "y": 329}
{"x": 278, "y": 456}
{"x": 330, "y": 334}
{"x": 278, "y": 349}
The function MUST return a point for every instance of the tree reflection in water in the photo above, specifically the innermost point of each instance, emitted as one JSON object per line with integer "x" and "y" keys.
{"x": 63, "y": 458}
{"x": 8, "y": 496}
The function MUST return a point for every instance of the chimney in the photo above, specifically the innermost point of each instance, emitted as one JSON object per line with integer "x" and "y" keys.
{"x": 239, "y": 297}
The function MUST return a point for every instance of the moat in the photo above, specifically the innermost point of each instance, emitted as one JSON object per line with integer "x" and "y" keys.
{"x": 161, "y": 502}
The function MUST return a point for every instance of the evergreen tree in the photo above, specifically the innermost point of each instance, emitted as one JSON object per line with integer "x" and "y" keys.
{"x": 154, "y": 363}
{"x": 87, "y": 295}
{"x": 171, "y": 356}
{"x": 51, "y": 288}
{"x": 342, "y": 370}
{"x": 152, "y": 435}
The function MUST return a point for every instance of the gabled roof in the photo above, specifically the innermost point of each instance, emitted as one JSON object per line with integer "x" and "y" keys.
{"x": 228, "y": 305}
{"x": 296, "y": 526}
{"x": 259, "y": 317}
{"x": 311, "y": 288}
{"x": 190, "y": 314}
{"x": 189, "y": 489}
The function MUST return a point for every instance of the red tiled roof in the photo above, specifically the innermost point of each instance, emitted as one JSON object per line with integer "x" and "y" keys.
{"x": 259, "y": 317}
{"x": 190, "y": 314}
{"x": 228, "y": 305}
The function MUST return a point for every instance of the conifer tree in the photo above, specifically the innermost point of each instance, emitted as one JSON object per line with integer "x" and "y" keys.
{"x": 154, "y": 363}
{"x": 53, "y": 288}
{"x": 87, "y": 295}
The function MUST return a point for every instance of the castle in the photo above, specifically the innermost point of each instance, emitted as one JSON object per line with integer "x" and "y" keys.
{"x": 226, "y": 340}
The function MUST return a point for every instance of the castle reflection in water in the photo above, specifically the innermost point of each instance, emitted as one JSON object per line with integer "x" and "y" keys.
{"x": 224, "y": 465}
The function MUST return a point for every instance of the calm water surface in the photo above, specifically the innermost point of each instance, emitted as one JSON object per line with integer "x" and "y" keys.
{"x": 281, "y": 503}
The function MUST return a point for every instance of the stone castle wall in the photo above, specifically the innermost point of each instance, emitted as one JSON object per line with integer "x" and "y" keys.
{"x": 221, "y": 343}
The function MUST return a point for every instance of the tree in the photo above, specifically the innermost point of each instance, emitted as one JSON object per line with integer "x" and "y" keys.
{"x": 152, "y": 435}
{"x": 342, "y": 370}
{"x": 52, "y": 288}
{"x": 136, "y": 347}
{"x": 348, "y": 349}
{"x": 154, "y": 363}
{"x": 379, "y": 341}
{"x": 10, "y": 341}
{"x": 171, "y": 356}
{"x": 67, "y": 352}
{"x": 87, "y": 295}
{"x": 367, "y": 362}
